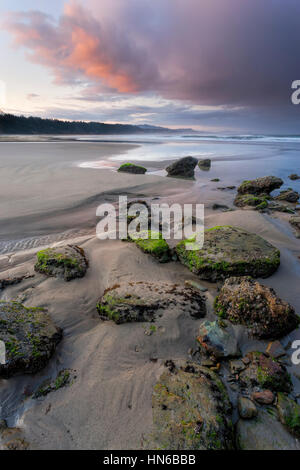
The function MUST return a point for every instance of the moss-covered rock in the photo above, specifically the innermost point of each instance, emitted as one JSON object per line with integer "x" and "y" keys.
{"x": 264, "y": 185}
{"x": 191, "y": 410}
{"x": 264, "y": 432}
{"x": 154, "y": 245}
{"x": 68, "y": 262}
{"x": 250, "y": 200}
{"x": 265, "y": 373}
{"x": 184, "y": 167}
{"x": 143, "y": 301}
{"x": 30, "y": 338}
{"x": 289, "y": 413}
{"x": 245, "y": 301}
{"x": 132, "y": 168}
{"x": 230, "y": 251}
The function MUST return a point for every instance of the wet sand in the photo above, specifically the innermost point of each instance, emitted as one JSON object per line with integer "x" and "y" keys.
{"x": 109, "y": 404}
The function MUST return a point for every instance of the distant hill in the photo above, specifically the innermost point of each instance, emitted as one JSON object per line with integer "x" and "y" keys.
{"x": 11, "y": 124}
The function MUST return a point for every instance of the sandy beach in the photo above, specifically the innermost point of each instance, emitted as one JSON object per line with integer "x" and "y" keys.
{"x": 53, "y": 201}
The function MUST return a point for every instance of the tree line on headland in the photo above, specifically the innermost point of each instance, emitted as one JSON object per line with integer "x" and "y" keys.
{"x": 11, "y": 124}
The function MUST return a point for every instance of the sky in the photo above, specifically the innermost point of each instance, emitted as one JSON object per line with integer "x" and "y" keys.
{"x": 212, "y": 65}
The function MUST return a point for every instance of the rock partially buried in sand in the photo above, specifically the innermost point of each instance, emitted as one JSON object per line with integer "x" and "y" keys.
{"x": 204, "y": 164}
{"x": 191, "y": 410}
{"x": 154, "y": 245}
{"x": 184, "y": 167}
{"x": 264, "y": 185}
{"x": 289, "y": 413}
{"x": 245, "y": 301}
{"x": 230, "y": 251}
{"x": 68, "y": 262}
{"x": 264, "y": 432}
{"x": 30, "y": 338}
{"x": 132, "y": 168}
{"x": 218, "y": 341}
{"x": 144, "y": 301}
{"x": 265, "y": 373}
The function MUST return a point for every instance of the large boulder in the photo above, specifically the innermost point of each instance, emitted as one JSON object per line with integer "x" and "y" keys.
{"x": 264, "y": 185}
{"x": 230, "y": 251}
{"x": 218, "y": 340}
{"x": 265, "y": 373}
{"x": 183, "y": 167}
{"x": 67, "y": 262}
{"x": 245, "y": 301}
{"x": 30, "y": 338}
{"x": 132, "y": 168}
{"x": 144, "y": 301}
{"x": 191, "y": 410}
{"x": 264, "y": 432}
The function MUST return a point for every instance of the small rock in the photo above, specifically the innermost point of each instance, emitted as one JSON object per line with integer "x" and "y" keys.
{"x": 217, "y": 341}
{"x": 204, "y": 164}
{"x": 3, "y": 425}
{"x": 236, "y": 366}
{"x": 132, "y": 168}
{"x": 195, "y": 285}
{"x": 288, "y": 195}
{"x": 217, "y": 206}
{"x": 275, "y": 349}
{"x": 247, "y": 408}
{"x": 294, "y": 176}
{"x": 264, "y": 398}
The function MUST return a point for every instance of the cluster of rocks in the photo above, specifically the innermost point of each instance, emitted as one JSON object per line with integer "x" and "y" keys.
{"x": 256, "y": 194}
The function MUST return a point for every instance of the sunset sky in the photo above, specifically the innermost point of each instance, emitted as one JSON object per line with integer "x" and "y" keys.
{"x": 214, "y": 65}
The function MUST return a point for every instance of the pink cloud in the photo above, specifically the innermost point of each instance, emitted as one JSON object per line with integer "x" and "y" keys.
{"x": 212, "y": 52}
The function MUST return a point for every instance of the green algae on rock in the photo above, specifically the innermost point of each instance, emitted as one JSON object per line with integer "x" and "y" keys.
{"x": 289, "y": 413}
{"x": 68, "y": 262}
{"x": 30, "y": 338}
{"x": 132, "y": 168}
{"x": 265, "y": 373}
{"x": 257, "y": 202}
{"x": 230, "y": 251}
{"x": 154, "y": 245}
{"x": 245, "y": 301}
{"x": 191, "y": 410}
{"x": 143, "y": 301}
{"x": 264, "y": 432}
